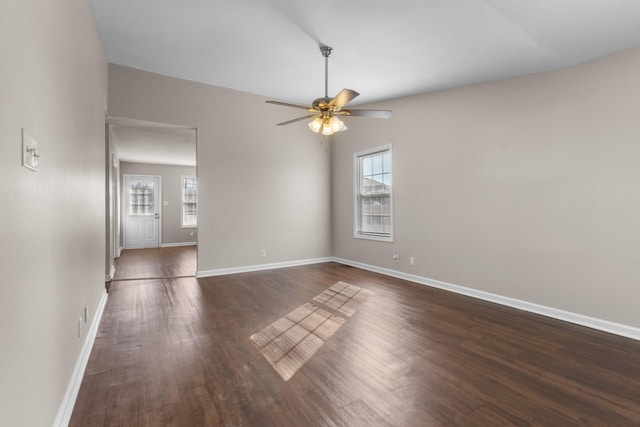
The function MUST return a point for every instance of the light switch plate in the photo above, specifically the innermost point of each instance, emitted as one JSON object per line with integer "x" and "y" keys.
{"x": 29, "y": 152}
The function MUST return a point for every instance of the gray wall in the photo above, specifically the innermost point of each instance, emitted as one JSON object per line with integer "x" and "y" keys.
{"x": 525, "y": 188}
{"x": 53, "y": 79}
{"x": 171, "y": 184}
{"x": 260, "y": 186}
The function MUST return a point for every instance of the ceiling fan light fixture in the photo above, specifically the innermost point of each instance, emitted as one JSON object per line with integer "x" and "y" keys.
{"x": 315, "y": 124}
{"x": 326, "y": 127}
{"x": 337, "y": 125}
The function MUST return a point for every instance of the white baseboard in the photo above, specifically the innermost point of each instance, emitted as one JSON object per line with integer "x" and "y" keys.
{"x": 109, "y": 277}
{"x": 68, "y": 402}
{"x": 175, "y": 245}
{"x": 260, "y": 267}
{"x": 579, "y": 319}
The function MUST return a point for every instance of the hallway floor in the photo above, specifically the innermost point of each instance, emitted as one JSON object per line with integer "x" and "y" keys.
{"x": 156, "y": 263}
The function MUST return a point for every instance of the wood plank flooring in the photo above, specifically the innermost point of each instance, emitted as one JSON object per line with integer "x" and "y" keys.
{"x": 177, "y": 352}
{"x": 156, "y": 263}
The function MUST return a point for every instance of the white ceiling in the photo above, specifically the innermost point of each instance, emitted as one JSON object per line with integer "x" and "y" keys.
{"x": 383, "y": 49}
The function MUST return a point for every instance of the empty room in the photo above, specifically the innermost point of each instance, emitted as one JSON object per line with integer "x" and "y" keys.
{"x": 285, "y": 213}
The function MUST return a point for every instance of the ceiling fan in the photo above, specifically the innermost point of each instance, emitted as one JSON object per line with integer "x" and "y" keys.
{"x": 325, "y": 111}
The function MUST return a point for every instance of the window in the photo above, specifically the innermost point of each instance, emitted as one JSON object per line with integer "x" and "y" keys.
{"x": 189, "y": 202}
{"x": 372, "y": 182}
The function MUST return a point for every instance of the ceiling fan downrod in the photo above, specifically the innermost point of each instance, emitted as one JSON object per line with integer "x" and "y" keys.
{"x": 326, "y": 51}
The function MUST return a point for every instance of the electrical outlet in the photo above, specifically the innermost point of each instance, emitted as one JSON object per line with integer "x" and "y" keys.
{"x": 412, "y": 261}
{"x": 263, "y": 252}
{"x": 396, "y": 257}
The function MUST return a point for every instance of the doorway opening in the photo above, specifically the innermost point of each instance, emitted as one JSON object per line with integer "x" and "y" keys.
{"x": 146, "y": 202}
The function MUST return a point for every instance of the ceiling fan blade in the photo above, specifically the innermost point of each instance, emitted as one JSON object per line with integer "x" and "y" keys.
{"x": 342, "y": 98}
{"x": 380, "y": 114}
{"x": 288, "y": 122}
{"x": 287, "y": 104}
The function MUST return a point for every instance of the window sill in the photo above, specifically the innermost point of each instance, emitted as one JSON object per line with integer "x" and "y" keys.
{"x": 388, "y": 239}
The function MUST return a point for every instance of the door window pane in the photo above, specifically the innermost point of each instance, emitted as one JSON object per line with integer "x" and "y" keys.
{"x": 141, "y": 200}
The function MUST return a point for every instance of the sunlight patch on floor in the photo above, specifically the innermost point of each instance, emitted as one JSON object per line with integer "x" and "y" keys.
{"x": 289, "y": 342}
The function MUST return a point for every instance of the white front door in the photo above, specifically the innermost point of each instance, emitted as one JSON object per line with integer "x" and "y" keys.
{"x": 142, "y": 211}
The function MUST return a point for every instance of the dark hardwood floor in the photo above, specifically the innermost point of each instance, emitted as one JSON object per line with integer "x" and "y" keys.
{"x": 177, "y": 352}
{"x": 156, "y": 263}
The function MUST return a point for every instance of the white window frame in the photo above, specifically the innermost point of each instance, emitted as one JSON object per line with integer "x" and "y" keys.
{"x": 357, "y": 233}
{"x": 182, "y": 201}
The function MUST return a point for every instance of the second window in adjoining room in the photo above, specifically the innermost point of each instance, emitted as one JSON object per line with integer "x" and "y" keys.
{"x": 189, "y": 202}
